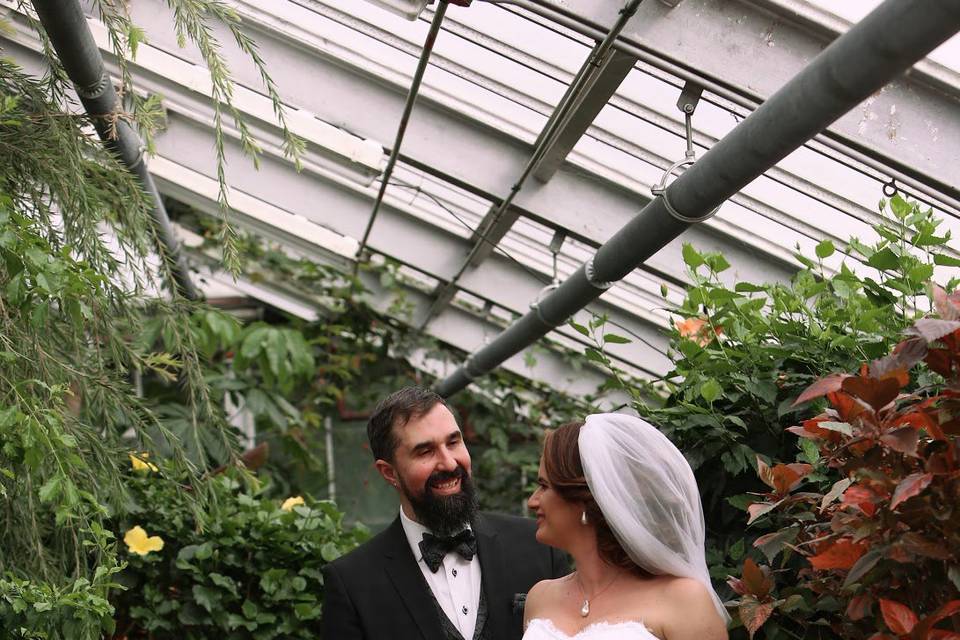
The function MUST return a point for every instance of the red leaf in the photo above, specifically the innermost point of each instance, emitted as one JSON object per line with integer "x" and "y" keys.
{"x": 909, "y": 487}
{"x": 904, "y": 440}
{"x": 784, "y": 477}
{"x": 756, "y": 580}
{"x": 899, "y": 618}
{"x": 821, "y": 387}
{"x": 848, "y": 407}
{"x": 757, "y": 509}
{"x": 939, "y": 360}
{"x": 842, "y": 554}
{"x": 945, "y": 304}
{"x": 861, "y": 497}
{"x": 859, "y": 606}
{"x": 931, "y": 329}
{"x": 753, "y": 613}
{"x": 877, "y": 393}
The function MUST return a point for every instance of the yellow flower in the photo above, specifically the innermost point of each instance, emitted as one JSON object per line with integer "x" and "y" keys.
{"x": 138, "y": 542}
{"x": 139, "y": 462}
{"x": 290, "y": 503}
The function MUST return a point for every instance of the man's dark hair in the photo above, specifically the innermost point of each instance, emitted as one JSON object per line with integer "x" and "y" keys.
{"x": 394, "y": 412}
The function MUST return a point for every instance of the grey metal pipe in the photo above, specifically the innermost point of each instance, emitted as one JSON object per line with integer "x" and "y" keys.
{"x": 848, "y": 71}
{"x": 66, "y": 26}
{"x": 412, "y": 94}
{"x": 558, "y": 119}
{"x": 913, "y": 180}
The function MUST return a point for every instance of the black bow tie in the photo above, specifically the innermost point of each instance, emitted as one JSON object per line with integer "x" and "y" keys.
{"x": 435, "y": 548}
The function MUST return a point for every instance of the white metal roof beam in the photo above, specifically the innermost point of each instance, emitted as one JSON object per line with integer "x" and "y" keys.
{"x": 599, "y": 89}
{"x": 342, "y": 207}
{"x": 755, "y": 46}
{"x": 453, "y": 146}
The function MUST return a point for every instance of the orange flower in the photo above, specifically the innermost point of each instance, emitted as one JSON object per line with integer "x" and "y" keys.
{"x": 698, "y": 330}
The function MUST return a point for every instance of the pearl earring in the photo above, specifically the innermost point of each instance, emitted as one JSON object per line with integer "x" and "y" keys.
{"x": 583, "y": 518}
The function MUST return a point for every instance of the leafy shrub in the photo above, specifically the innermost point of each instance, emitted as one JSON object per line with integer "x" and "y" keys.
{"x": 869, "y": 526}
{"x": 744, "y": 352}
{"x": 254, "y": 572}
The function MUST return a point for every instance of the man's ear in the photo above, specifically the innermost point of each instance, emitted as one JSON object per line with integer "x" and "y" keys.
{"x": 388, "y": 472}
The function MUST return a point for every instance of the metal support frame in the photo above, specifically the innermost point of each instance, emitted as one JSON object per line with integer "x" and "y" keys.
{"x": 404, "y": 120}
{"x": 852, "y": 68}
{"x": 500, "y": 217}
{"x": 884, "y": 162}
{"x": 66, "y": 26}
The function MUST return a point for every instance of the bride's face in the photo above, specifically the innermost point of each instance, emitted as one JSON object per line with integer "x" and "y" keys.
{"x": 558, "y": 520}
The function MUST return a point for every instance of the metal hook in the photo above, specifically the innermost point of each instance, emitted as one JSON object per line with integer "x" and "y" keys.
{"x": 890, "y": 188}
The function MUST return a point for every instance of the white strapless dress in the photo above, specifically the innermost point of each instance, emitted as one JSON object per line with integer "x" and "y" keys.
{"x": 543, "y": 629}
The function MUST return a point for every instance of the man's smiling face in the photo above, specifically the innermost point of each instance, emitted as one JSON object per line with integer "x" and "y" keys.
{"x": 431, "y": 469}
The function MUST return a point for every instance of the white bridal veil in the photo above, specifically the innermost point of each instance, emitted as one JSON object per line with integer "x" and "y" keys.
{"x": 648, "y": 495}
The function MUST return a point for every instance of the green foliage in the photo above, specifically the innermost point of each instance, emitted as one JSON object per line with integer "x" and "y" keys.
{"x": 871, "y": 525}
{"x": 78, "y": 265}
{"x": 743, "y": 353}
{"x": 357, "y": 355}
{"x": 254, "y": 572}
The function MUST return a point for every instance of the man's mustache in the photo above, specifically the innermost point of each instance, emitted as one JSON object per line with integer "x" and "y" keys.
{"x": 439, "y": 477}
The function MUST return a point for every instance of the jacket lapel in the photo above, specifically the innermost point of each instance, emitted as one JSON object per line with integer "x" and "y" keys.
{"x": 494, "y": 574}
{"x": 413, "y": 590}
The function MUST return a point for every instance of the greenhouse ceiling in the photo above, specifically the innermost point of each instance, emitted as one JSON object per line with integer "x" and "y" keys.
{"x": 495, "y": 76}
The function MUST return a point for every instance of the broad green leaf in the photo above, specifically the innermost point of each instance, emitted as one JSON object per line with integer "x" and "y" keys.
{"x": 825, "y": 249}
{"x": 691, "y": 256}
{"x": 711, "y": 390}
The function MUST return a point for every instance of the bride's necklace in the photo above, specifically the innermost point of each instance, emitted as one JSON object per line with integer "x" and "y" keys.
{"x": 585, "y": 609}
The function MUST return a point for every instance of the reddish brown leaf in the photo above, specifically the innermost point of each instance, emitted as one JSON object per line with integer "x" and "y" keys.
{"x": 932, "y": 329}
{"x": 841, "y": 554}
{"x": 909, "y": 487}
{"x": 848, "y": 407}
{"x": 899, "y": 618}
{"x": 765, "y": 473}
{"x": 757, "y": 509}
{"x": 785, "y": 477}
{"x": 737, "y": 585}
{"x": 756, "y": 579}
{"x": 859, "y": 606}
{"x": 903, "y": 440}
{"x": 945, "y": 304}
{"x": 939, "y": 360}
{"x": 754, "y": 613}
{"x": 916, "y": 544}
{"x": 862, "y": 498}
{"x": 877, "y": 393}
{"x": 821, "y": 387}
{"x": 942, "y": 634}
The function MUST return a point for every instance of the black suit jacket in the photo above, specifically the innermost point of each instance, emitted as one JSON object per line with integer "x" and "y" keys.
{"x": 377, "y": 591}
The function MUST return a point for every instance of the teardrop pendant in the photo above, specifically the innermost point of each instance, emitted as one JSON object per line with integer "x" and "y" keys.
{"x": 585, "y": 609}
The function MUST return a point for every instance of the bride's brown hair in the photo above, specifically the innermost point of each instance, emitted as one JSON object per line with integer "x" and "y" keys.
{"x": 561, "y": 462}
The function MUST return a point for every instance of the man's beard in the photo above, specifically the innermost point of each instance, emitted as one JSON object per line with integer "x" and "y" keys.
{"x": 444, "y": 515}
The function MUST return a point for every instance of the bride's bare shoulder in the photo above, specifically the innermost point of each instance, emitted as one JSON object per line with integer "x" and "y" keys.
{"x": 540, "y": 594}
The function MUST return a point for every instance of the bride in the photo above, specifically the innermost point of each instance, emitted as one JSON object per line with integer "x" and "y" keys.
{"x": 621, "y": 499}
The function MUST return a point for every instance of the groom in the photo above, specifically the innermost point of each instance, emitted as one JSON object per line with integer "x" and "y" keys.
{"x": 442, "y": 570}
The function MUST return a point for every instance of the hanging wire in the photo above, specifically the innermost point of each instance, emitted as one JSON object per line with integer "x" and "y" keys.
{"x": 531, "y": 272}
{"x": 404, "y": 120}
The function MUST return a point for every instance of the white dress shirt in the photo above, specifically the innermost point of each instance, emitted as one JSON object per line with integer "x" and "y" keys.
{"x": 456, "y": 584}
